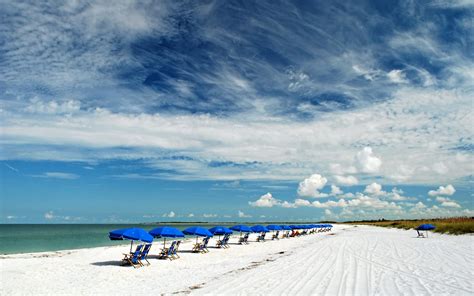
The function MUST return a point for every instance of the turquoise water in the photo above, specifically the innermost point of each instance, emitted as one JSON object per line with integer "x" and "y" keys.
{"x": 26, "y": 238}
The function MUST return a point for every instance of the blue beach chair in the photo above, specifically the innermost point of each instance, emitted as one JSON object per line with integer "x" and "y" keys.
{"x": 144, "y": 254}
{"x": 175, "y": 251}
{"x": 133, "y": 258}
{"x": 168, "y": 252}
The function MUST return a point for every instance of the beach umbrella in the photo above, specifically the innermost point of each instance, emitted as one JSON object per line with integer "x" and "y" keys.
{"x": 131, "y": 234}
{"x": 293, "y": 227}
{"x": 197, "y": 231}
{"x": 274, "y": 227}
{"x": 241, "y": 228}
{"x": 220, "y": 230}
{"x": 285, "y": 227}
{"x": 164, "y": 232}
{"x": 259, "y": 228}
{"x": 426, "y": 227}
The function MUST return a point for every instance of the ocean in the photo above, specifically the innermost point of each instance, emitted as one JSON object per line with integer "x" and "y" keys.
{"x": 28, "y": 238}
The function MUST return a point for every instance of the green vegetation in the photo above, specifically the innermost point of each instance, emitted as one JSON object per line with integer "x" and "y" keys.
{"x": 458, "y": 225}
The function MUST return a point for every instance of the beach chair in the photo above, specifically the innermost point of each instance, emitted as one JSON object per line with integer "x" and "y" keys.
{"x": 261, "y": 237}
{"x": 167, "y": 252}
{"x": 220, "y": 243}
{"x": 196, "y": 247}
{"x": 144, "y": 254}
{"x": 203, "y": 247}
{"x": 175, "y": 251}
{"x": 133, "y": 258}
{"x": 243, "y": 239}
{"x": 225, "y": 241}
{"x": 246, "y": 238}
{"x": 275, "y": 236}
{"x": 420, "y": 234}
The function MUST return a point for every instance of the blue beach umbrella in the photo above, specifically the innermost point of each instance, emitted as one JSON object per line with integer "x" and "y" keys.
{"x": 274, "y": 227}
{"x": 241, "y": 228}
{"x": 220, "y": 230}
{"x": 426, "y": 227}
{"x": 131, "y": 234}
{"x": 293, "y": 227}
{"x": 164, "y": 232}
{"x": 197, "y": 231}
{"x": 259, "y": 228}
{"x": 285, "y": 227}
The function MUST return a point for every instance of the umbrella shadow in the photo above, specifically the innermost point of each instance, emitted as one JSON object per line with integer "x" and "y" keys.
{"x": 109, "y": 263}
{"x": 187, "y": 251}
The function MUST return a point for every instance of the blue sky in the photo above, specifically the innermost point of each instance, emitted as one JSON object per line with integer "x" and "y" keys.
{"x": 230, "y": 110}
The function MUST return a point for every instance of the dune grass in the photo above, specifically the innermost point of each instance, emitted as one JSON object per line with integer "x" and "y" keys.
{"x": 458, "y": 225}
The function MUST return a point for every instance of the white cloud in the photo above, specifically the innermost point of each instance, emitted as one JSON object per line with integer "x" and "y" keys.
{"x": 440, "y": 168}
{"x": 346, "y": 180}
{"x": 420, "y": 205}
{"x": 367, "y": 162}
{"x": 451, "y": 204}
{"x": 265, "y": 201}
{"x": 49, "y": 215}
{"x": 191, "y": 215}
{"x": 327, "y": 212}
{"x": 447, "y": 202}
{"x": 58, "y": 175}
{"x": 53, "y": 107}
{"x": 171, "y": 214}
{"x": 301, "y": 203}
{"x": 335, "y": 190}
{"x": 448, "y": 190}
{"x": 397, "y": 76}
{"x": 93, "y": 135}
{"x": 338, "y": 169}
{"x": 374, "y": 189}
{"x": 310, "y": 187}
{"x": 209, "y": 215}
{"x": 241, "y": 214}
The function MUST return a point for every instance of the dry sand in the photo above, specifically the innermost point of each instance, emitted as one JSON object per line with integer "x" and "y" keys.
{"x": 350, "y": 260}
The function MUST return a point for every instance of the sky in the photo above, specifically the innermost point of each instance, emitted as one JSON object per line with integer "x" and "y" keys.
{"x": 141, "y": 111}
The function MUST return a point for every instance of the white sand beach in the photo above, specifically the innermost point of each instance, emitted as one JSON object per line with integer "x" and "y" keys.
{"x": 349, "y": 260}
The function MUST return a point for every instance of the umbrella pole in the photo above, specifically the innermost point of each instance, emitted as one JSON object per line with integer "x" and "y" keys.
{"x": 131, "y": 246}
{"x": 164, "y": 243}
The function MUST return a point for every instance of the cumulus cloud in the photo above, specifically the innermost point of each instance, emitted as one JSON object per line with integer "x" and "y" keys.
{"x": 346, "y": 180}
{"x": 209, "y": 215}
{"x": 367, "y": 162}
{"x": 191, "y": 215}
{"x": 265, "y": 201}
{"x": 447, "y": 202}
{"x": 49, "y": 215}
{"x": 241, "y": 214}
{"x": 171, "y": 214}
{"x": 450, "y": 204}
{"x": 310, "y": 187}
{"x": 336, "y": 190}
{"x": 374, "y": 189}
{"x": 442, "y": 190}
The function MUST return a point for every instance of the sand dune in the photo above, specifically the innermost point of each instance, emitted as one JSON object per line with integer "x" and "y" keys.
{"x": 351, "y": 260}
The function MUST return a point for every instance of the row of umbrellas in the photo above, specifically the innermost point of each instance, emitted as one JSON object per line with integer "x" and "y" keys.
{"x": 171, "y": 232}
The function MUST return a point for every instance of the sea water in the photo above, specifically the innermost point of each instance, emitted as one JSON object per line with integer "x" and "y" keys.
{"x": 27, "y": 238}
